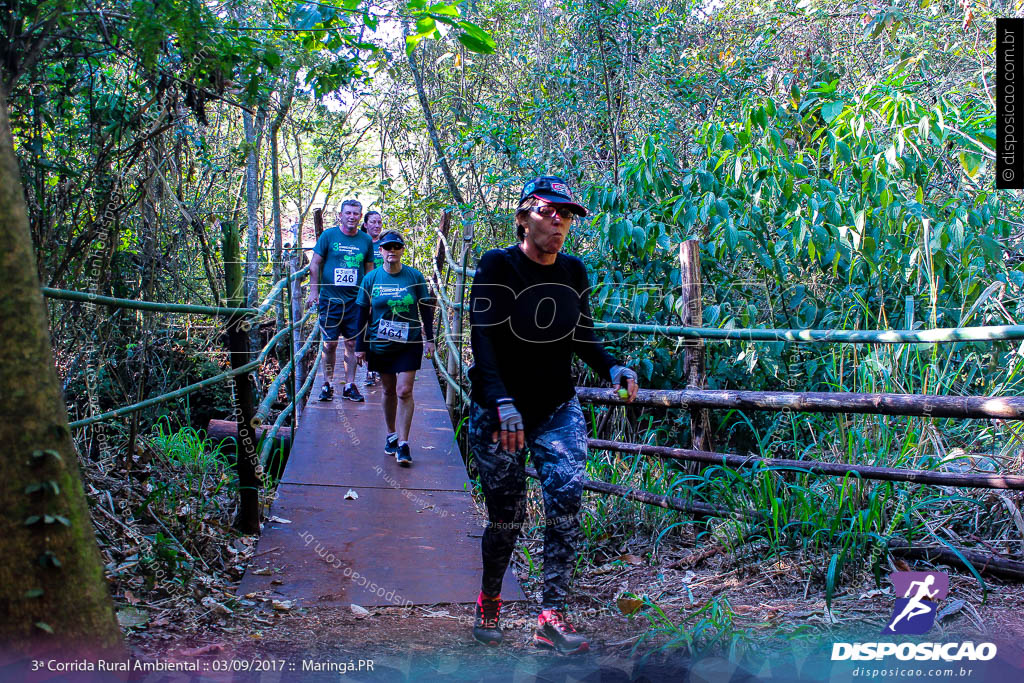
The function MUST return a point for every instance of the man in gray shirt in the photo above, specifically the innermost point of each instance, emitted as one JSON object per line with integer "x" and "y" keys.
{"x": 342, "y": 255}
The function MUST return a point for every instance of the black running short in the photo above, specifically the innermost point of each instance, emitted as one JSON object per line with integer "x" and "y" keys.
{"x": 406, "y": 359}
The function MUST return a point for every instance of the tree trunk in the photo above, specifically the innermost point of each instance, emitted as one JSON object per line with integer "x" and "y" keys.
{"x": 435, "y": 139}
{"x": 252, "y": 205}
{"x": 53, "y": 595}
{"x": 250, "y": 473}
{"x": 693, "y": 359}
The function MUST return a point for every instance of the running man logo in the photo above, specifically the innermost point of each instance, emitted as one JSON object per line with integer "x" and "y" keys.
{"x": 914, "y": 613}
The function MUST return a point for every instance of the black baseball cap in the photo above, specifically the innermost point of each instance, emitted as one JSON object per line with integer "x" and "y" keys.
{"x": 554, "y": 190}
{"x": 391, "y": 237}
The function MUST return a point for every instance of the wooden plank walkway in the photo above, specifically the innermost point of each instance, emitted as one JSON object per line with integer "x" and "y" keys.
{"x": 412, "y": 536}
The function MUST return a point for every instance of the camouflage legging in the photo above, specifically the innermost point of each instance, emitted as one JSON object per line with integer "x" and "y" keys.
{"x": 559, "y": 449}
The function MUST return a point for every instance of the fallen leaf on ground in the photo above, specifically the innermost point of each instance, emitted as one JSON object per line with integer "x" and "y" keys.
{"x": 279, "y": 520}
{"x": 282, "y": 605}
{"x": 359, "y": 611}
{"x": 629, "y": 605}
{"x": 131, "y": 616}
{"x": 211, "y": 604}
{"x": 351, "y": 495}
{"x": 950, "y": 609}
{"x": 693, "y": 559}
{"x": 262, "y": 571}
{"x": 630, "y": 559}
{"x": 210, "y": 649}
{"x": 130, "y": 597}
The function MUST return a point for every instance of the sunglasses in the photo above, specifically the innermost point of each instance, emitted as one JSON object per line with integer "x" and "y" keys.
{"x": 392, "y": 247}
{"x": 548, "y": 210}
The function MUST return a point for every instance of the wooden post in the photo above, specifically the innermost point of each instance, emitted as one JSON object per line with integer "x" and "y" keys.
{"x": 250, "y": 473}
{"x": 298, "y": 302}
{"x": 693, "y": 359}
{"x": 440, "y": 256}
{"x": 318, "y": 222}
{"x": 454, "y": 363}
{"x": 292, "y": 388}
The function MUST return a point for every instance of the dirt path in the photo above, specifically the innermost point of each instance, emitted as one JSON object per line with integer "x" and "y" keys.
{"x": 761, "y": 608}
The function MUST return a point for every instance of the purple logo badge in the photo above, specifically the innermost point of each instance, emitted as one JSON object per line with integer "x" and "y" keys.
{"x": 917, "y": 595}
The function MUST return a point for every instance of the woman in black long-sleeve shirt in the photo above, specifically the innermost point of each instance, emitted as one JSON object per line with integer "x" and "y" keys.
{"x": 530, "y": 313}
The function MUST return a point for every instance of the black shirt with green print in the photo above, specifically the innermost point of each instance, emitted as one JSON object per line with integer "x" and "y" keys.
{"x": 395, "y": 303}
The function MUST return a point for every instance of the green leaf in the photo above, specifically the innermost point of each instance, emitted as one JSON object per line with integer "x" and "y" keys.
{"x": 39, "y": 455}
{"x": 831, "y": 110}
{"x": 971, "y": 163}
{"x": 476, "y": 39}
{"x": 32, "y": 519}
{"x": 830, "y": 579}
{"x": 34, "y": 593}
{"x": 843, "y": 152}
{"x": 425, "y": 26}
{"x": 728, "y": 141}
{"x": 444, "y": 9}
{"x": 411, "y": 42}
{"x": 44, "y": 626}
{"x": 272, "y": 59}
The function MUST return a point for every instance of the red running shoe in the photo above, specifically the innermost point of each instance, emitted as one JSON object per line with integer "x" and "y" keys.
{"x": 486, "y": 629}
{"x": 555, "y": 632}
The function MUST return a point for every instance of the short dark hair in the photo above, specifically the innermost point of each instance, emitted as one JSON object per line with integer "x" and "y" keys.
{"x": 524, "y": 207}
{"x": 351, "y": 202}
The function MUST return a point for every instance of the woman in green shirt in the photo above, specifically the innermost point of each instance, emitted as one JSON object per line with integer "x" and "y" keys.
{"x": 373, "y": 225}
{"x": 392, "y": 301}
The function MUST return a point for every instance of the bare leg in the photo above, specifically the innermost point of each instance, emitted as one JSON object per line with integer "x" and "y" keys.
{"x": 387, "y": 383}
{"x": 350, "y": 361}
{"x": 406, "y": 404}
{"x": 330, "y": 353}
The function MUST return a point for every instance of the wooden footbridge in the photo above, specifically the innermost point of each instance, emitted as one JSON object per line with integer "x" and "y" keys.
{"x": 360, "y": 529}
